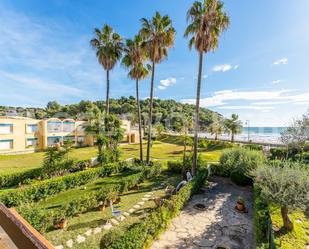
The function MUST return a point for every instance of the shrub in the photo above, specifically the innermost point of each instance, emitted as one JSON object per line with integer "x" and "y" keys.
{"x": 237, "y": 163}
{"x": 253, "y": 146}
{"x": 177, "y": 166}
{"x": 141, "y": 234}
{"x": 85, "y": 202}
{"x": 261, "y": 218}
{"x": 43, "y": 189}
{"x": 285, "y": 185}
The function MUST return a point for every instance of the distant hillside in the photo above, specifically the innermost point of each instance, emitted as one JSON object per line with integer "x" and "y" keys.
{"x": 168, "y": 112}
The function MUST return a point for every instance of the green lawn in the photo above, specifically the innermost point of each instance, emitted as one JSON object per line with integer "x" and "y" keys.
{"x": 299, "y": 238}
{"x": 18, "y": 163}
{"x": 168, "y": 148}
{"x": 90, "y": 220}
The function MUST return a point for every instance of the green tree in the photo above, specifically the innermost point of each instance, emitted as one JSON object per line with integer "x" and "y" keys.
{"x": 286, "y": 185}
{"x": 207, "y": 21}
{"x": 53, "y": 107}
{"x": 108, "y": 46}
{"x": 158, "y": 34}
{"x": 297, "y": 134}
{"x": 216, "y": 127}
{"x": 234, "y": 126}
{"x": 134, "y": 59}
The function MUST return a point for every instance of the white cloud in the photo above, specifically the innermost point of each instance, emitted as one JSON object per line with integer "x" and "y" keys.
{"x": 222, "y": 68}
{"x": 276, "y": 82}
{"x": 246, "y": 107}
{"x": 221, "y": 98}
{"x": 282, "y": 61}
{"x": 166, "y": 83}
{"x": 205, "y": 76}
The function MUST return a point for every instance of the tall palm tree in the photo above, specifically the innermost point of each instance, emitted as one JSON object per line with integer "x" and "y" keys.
{"x": 135, "y": 56}
{"x": 207, "y": 21}
{"x": 234, "y": 125}
{"x": 108, "y": 46}
{"x": 159, "y": 36}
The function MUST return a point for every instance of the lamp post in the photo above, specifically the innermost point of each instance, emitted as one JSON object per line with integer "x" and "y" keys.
{"x": 248, "y": 127}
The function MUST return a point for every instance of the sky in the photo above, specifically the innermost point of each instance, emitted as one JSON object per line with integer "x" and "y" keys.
{"x": 259, "y": 71}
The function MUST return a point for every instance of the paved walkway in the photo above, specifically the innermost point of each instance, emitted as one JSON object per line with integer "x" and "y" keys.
{"x": 218, "y": 225}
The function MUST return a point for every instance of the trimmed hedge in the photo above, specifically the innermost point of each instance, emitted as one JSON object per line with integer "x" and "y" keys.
{"x": 262, "y": 223}
{"x": 43, "y": 189}
{"x": 140, "y": 235}
{"x": 43, "y": 219}
{"x": 14, "y": 179}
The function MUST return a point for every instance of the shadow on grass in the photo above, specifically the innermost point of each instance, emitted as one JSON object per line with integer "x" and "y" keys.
{"x": 88, "y": 224}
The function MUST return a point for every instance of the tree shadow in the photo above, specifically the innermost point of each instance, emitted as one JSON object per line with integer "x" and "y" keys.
{"x": 88, "y": 224}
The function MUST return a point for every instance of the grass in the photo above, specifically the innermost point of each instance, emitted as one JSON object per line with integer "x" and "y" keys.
{"x": 167, "y": 148}
{"x": 299, "y": 238}
{"x": 82, "y": 223}
{"x": 18, "y": 163}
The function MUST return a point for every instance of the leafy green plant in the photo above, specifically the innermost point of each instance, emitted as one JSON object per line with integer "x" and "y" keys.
{"x": 238, "y": 164}
{"x": 286, "y": 185}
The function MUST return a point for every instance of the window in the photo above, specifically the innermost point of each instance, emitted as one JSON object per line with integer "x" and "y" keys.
{"x": 68, "y": 126}
{"x": 6, "y": 144}
{"x": 54, "y": 126}
{"x": 53, "y": 140}
{"x": 32, "y": 128}
{"x": 31, "y": 142}
{"x": 6, "y": 128}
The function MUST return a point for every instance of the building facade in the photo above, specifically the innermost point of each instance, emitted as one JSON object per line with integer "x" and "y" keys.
{"x": 22, "y": 135}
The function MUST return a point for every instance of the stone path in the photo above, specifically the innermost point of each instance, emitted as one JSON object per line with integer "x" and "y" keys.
{"x": 218, "y": 225}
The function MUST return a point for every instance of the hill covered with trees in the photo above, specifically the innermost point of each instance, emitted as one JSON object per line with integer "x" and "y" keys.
{"x": 168, "y": 112}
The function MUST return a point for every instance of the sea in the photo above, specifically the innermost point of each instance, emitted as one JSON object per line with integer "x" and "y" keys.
{"x": 267, "y": 135}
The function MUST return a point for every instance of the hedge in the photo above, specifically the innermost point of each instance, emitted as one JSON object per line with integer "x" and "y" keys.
{"x": 14, "y": 179}
{"x": 141, "y": 234}
{"x": 263, "y": 232}
{"x": 43, "y": 189}
{"x": 237, "y": 163}
{"x": 42, "y": 219}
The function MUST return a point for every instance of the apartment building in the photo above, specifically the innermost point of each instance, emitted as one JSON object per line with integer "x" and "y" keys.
{"x": 22, "y": 135}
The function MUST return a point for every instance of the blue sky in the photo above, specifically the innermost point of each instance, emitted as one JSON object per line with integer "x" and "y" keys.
{"x": 259, "y": 71}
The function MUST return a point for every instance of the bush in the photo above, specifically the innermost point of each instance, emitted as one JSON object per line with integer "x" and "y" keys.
{"x": 43, "y": 189}
{"x": 260, "y": 219}
{"x": 253, "y": 147}
{"x": 285, "y": 185}
{"x": 237, "y": 163}
{"x": 84, "y": 203}
{"x": 176, "y": 166}
{"x": 140, "y": 235}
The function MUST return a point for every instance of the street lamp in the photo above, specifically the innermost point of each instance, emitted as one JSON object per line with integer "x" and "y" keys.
{"x": 248, "y": 127}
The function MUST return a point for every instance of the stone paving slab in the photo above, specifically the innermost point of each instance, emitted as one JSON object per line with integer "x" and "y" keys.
{"x": 219, "y": 224}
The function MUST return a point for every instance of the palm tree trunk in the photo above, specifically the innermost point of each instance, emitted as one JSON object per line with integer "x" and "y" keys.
{"x": 197, "y": 113}
{"x": 139, "y": 123}
{"x": 183, "y": 171}
{"x": 232, "y": 139}
{"x": 107, "y": 92}
{"x": 150, "y": 113}
{"x": 287, "y": 223}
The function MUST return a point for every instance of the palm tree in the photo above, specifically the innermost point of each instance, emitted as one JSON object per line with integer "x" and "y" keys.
{"x": 135, "y": 56}
{"x": 159, "y": 35}
{"x": 207, "y": 21}
{"x": 234, "y": 125}
{"x": 216, "y": 127}
{"x": 108, "y": 46}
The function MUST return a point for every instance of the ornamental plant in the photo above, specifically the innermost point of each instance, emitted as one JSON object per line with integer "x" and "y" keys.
{"x": 285, "y": 184}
